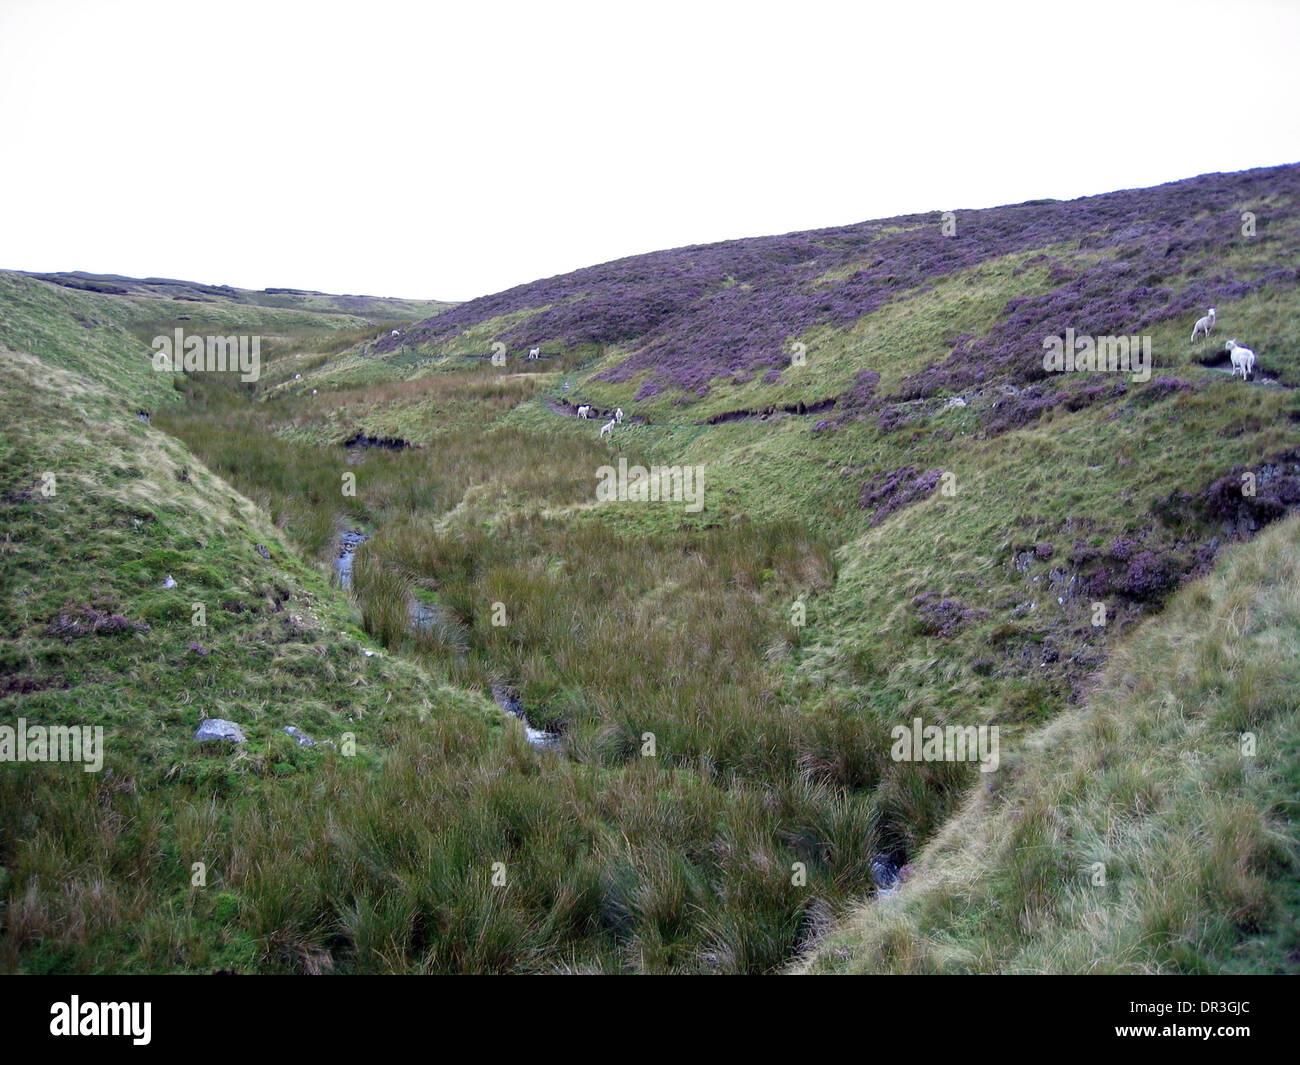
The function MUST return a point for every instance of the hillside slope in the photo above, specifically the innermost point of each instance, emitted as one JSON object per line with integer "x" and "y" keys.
{"x": 1150, "y": 831}
{"x": 378, "y": 309}
{"x": 717, "y": 322}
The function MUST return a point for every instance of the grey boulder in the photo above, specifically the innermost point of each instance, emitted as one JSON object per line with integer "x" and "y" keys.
{"x": 215, "y": 728}
{"x": 301, "y": 737}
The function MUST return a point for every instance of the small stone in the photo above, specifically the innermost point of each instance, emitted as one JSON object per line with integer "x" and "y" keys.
{"x": 215, "y": 728}
{"x": 884, "y": 872}
{"x": 170, "y": 582}
{"x": 263, "y": 550}
{"x": 301, "y": 737}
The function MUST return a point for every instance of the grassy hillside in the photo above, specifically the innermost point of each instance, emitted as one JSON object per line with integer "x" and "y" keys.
{"x": 1140, "y": 833}
{"x": 380, "y": 309}
{"x": 909, "y": 519}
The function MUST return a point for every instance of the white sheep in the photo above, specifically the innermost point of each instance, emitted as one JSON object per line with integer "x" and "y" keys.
{"x": 535, "y": 353}
{"x": 1203, "y": 325}
{"x": 584, "y": 412}
{"x": 608, "y": 429}
{"x": 618, "y": 415}
{"x": 396, "y": 333}
{"x": 1242, "y": 358}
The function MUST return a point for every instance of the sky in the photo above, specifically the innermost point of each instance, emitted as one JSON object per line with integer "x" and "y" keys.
{"x": 448, "y": 150}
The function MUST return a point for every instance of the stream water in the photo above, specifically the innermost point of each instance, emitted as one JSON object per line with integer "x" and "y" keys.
{"x": 348, "y": 543}
{"x": 423, "y": 616}
{"x": 509, "y": 702}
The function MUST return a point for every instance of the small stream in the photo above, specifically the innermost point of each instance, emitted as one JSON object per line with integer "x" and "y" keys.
{"x": 349, "y": 541}
{"x": 509, "y": 702}
{"x": 424, "y": 616}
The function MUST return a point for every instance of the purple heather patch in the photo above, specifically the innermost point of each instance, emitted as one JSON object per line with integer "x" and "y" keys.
{"x": 944, "y": 616}
{"x": 1122, "y": 548}
{"x": 730, "y": 311}
{"x": 1148, "y": 577}
{"x": 1276, "y": 490}
{"x": 893, "y": 489}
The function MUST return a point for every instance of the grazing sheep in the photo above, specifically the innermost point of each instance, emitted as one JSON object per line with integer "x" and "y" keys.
{"x": 608, "y": 429}
{"x": 1203, "y": 325}
{"x": 584, "y": 412}
{"x": 396, "y": 333}
{"x": 1243, "y": 359}
{"x": 535, "y": 353}
{"x": 618, "y": 415}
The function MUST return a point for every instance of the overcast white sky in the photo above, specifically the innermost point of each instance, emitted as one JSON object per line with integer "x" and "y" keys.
{"x": 446, "y": 150}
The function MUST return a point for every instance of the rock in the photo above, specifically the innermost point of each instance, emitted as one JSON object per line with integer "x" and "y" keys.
{"x": 199, "y": 649}
{"x": 956, "y": 401}
{"x": 884, "y": 872}
{"x": 263, "y": 550}
{"x": 169, "y": 582}
{"x": 215, "y": 728}
{"x": 301, "y": 737}
{"x": 143, "y": 415}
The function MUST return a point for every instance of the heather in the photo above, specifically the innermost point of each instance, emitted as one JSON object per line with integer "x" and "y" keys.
{"x": 690, "y": 319}
{"x": 891, "y": 489}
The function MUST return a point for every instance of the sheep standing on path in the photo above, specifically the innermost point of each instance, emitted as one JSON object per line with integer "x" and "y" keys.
{"x": 608, "y": 429}
{"x": 535, "y": 353}
{"x": 618, "y": 415}
{"x": 1243, "y": 359}
{"x": 584, "y": 412}
{"x": 1203, "y": 325}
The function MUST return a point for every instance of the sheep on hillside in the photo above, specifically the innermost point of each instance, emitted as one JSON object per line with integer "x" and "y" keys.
{"x": 1242, "y": 359}
{"x": 1203, "y": 325}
